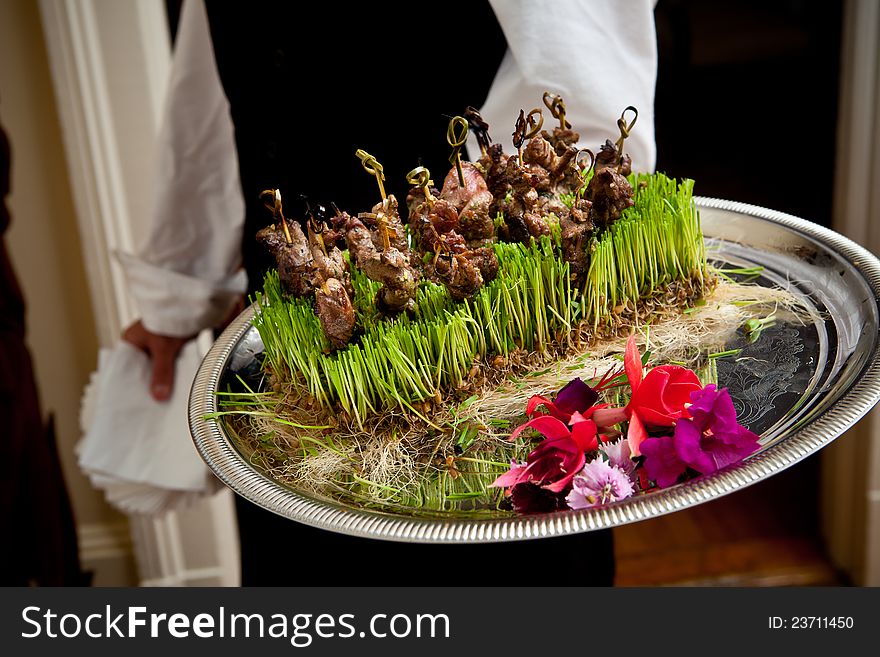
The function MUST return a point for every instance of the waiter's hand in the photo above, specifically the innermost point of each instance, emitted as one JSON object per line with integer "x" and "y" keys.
{"x": 163, "y": 351}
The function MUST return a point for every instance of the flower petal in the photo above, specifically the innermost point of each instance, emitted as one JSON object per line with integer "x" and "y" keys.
{"x": 608, "y": 417}
{"x": 512, "y": 477}
{"x": 576, "y": 396}
{"x": 635, "y": 435}
{"x": 632, "y": 363}
{"x": 650, "y": 396}
{"x": 529, "y": 498}
{"x": 538, "y": 400}
{"x": 548, "y": 426}
{"x": 618, "y": 456}
{"x": 584, "y": 434}
{"x": 662, "y": 464}
{"x": 688, "y": 446}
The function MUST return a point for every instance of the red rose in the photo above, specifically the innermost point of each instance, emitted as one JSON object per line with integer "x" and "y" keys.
{"x": 659, "y": 399}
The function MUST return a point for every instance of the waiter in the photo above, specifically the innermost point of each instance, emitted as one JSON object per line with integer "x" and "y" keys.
{"x": 279, "y": 97}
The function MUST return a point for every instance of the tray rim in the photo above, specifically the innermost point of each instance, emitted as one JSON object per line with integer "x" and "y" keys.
{"x": 215, "y": 447}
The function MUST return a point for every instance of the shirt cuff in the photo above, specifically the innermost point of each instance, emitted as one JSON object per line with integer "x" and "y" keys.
{"x": 176, "y": 304}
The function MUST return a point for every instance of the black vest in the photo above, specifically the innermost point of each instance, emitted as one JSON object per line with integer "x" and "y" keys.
{"x": 307, "y": 88}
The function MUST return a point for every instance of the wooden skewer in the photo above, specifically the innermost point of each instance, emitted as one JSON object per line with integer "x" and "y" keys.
{"x": 556, "y": 106}
{"x": 457, "y": 140}
{"x": 272, "y": 199}
{"x": 625, "y": 128}
{"x": 421, "y": 177}
{"x": 371, "y": 165}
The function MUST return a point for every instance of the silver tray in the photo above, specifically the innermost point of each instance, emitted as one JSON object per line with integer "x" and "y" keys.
{"x": 799, "y": 387}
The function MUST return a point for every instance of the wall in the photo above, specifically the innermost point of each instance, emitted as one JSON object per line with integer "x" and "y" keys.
{"x": 45, "y": 248}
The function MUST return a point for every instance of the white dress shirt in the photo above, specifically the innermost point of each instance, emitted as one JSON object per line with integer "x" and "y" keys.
{"x": 599, "y": 55}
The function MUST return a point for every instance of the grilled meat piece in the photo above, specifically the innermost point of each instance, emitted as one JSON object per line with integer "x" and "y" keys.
{"x": 460, "y": 276}
{"x": 473, "y": 203}
{"x": 495, "y": 165}
{"x": 385, "y": 216}
{"x": 334, "y": 310}
{"x": 609, "y": 190}
{"x": 561, "y": 138}
{"x": 485, "y": 260}
{"x": 520, "y": 208}
{"x": 559, "y": 167}
{"x": 415, "y": 200}
{"x": 444, "y": 216}
{"x": 458, "y": 195}
{"x": 610, "y": 194}
{"x": 576, "y": 232}
{"x": 540, "y": 152}
{"x": 390, "y": 267}
{"x": 328, "y": 261}
{"x": 294, "y": 259}
{"x": 475, "y": 220}
{"x": 610, "y": 157}
{"x": 552, "y": 204}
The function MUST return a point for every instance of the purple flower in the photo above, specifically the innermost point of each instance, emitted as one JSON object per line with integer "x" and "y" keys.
{"x": 575, "y": 397}
{"x": 598, "y": 483}
{"x": 661, "y": 460}
{"x": 712, "y": 439}
{"x": 573, "y": 400}
{"x": 619, "y": 456}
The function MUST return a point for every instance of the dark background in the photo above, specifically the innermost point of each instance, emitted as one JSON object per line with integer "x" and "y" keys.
{"x": 746, "y": 105}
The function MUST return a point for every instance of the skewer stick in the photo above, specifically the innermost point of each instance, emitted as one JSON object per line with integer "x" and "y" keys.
{"x": 371, "y": 166}
{"x": 479, "y": 127}
{"x": 584, "y": 169}
{"x": 383, "y": 230}
{"x": 421, "y": 177}
{"x": 272, "y": 199}
{"x": 316, "y": 227}
{"x": 556, "y": 106}
{"x": 625, "y": 128}
{"x": 457, "y": 140}
{"x": 527, "y": 126}
{"x": 533, "y": 123}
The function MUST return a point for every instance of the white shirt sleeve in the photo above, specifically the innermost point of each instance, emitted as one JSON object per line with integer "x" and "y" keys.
{"x": 599, "y": 55}
{"x": 187, "y": 274}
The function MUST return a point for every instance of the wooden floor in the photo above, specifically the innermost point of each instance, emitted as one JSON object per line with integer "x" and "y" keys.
{"x": 765, "y": 535}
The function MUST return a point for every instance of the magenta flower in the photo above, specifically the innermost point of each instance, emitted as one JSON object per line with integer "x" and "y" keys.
{"x": 662, "y": 463}
{"x": 712, "y": 439}
{"x": 598, "y": 483}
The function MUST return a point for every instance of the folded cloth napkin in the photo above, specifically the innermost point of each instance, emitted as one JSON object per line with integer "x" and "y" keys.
{"x": 135, "y": 449}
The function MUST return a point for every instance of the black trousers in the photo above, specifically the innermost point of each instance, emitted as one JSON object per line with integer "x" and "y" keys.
{"x": 276, "y": 551}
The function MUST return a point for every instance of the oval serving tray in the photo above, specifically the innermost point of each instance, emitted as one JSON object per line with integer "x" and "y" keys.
{"x": 798, "y": 386}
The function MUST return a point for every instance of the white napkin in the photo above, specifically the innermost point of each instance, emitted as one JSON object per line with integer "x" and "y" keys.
{"x": 135, "y": 449}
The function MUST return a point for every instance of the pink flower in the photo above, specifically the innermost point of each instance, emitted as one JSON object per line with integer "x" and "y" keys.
{"x": 618, "y": 455}
{"x": 599, "y": 483}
